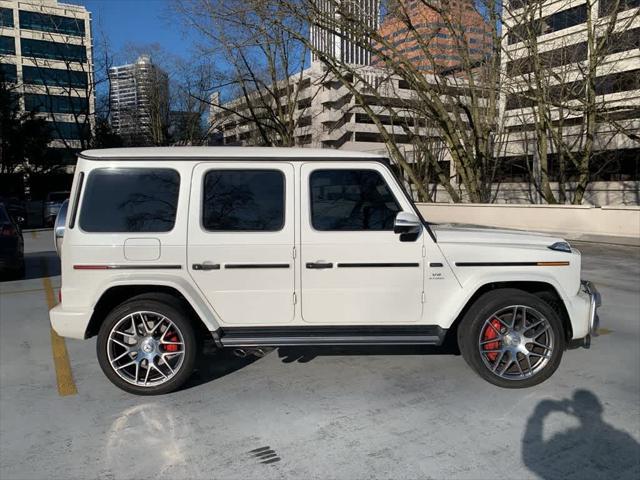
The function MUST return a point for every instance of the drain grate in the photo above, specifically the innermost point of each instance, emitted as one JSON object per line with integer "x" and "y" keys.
{"x": 265, "y": 455}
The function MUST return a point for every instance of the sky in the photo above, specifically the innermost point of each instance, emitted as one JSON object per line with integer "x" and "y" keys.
{"x": 136, "y": 21}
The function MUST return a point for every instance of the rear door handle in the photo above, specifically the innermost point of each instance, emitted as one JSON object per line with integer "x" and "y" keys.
{"x": 319, "y": 265}
{"x": 206, "y": 266}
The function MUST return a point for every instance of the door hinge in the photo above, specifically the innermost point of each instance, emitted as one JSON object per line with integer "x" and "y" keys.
{"x": 422, "y": 297}
{"x": 295, "y": 298}
{"x": 424, "y": 251}
{"x": 294, "y": 252}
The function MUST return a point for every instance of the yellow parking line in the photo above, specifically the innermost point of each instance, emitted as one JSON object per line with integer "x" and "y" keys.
{"x": 34, "y": 234}
{"x": 64, "y": 377}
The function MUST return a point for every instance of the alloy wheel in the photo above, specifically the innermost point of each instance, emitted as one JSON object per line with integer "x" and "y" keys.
{"x": 145, "y": 348}
{"x": 516, "y": 342}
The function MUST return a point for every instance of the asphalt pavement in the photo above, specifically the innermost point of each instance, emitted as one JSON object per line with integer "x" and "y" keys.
{"x": 344, "y": 413}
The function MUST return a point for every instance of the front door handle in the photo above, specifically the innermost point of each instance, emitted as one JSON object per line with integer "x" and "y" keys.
{"x": 206, "y": 266}
{"x": 319, "y": 265}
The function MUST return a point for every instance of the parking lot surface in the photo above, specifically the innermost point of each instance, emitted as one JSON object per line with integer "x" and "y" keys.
{"x": 320, "y": 413}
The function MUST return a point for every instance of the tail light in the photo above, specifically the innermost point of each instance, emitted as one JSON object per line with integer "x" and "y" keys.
{"x": 60, "y": 295}
{"x": 8, "y": 231}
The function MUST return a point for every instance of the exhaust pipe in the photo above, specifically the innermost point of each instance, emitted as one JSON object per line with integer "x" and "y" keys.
{"x": 240, "y": 352}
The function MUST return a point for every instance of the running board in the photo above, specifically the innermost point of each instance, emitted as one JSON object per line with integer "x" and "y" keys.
{"x": 330, "y": 335}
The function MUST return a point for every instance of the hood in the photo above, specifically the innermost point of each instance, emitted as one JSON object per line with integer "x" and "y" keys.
{"x": 459, "y": 233}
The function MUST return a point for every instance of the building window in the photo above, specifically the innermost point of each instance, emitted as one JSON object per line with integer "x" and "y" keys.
{"x": 514, "y": 169}
{"x": 304, "y": 139}
{"x": 7, "y": 46}
{"x": 622, "y": 41}
{"x": 6, "y": 17}
{"x": 130, "y": 200}
{"x": 304, "y": 103}
{"x": 68, "y": 130}
{"x": 616, "y": 166}
{"x": 608, "y": 7}
{"x": 351, "y": 200}
{"x": 53, "y": 50}
{"x": 304, "y": 121}
{"x": 56, "y": 104}
{"x": 54, "y": 77}
{"x": 552, "y": 23}
{"x": 243, "y": 200}
{"x": 8, "y": 72}
{"x": 618, "y": 82}
{"x": 553, "y": 58}
{"x": 51, "y": 23}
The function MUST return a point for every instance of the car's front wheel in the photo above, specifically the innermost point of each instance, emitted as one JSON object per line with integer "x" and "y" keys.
{"x": 512, "y": 338}
{"x": 147, "y": 346}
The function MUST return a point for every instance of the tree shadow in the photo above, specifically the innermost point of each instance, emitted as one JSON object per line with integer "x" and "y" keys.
{"x": 592, "y": 450}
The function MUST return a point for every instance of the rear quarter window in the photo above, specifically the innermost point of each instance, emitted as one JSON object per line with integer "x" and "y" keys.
{"x": 130, "y": 200}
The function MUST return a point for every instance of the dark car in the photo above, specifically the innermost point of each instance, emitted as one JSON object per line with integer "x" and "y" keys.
{"x": 52, "y": 206}
{"x": 11, "y": 246}
{"x": 16, "y": 208}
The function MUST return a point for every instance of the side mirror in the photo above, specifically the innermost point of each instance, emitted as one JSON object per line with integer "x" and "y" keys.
{"x": 20, "y": 221}
{"x": 407, "y": 223}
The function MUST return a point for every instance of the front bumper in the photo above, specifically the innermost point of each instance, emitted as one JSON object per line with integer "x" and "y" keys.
{"x": 595, "y": 301}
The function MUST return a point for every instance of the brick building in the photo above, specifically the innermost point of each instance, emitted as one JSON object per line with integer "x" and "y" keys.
{"x": 441, "y": 37}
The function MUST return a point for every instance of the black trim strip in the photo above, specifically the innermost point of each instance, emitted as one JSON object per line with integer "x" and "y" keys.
{"x": 435, "y": 265}
{"x": 332, "y": 335}
{"x": 319, "y": 265}
{"x": 377, "y": 265}
{"x": 238, "y": 266}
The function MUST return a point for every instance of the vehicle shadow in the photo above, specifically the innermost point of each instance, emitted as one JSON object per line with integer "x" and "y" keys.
{"x": 41, "y": 264}
{"x": 213, "y": 364}
{"x": 37, "y": 265}
{"x": 306, "y": 354}
{"x": 592, "y": 450}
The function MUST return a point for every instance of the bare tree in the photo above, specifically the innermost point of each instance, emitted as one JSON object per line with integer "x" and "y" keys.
{"x": 262, "y": 68}
{"x": 559, "y": 87}
{"x": 458, "y": 100}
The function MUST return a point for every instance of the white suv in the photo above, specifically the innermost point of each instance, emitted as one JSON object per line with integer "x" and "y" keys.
{"x": 163, "y": 248}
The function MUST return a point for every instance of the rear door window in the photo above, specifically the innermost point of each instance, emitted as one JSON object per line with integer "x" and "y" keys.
{"x": 243, "y": 201}
{"x": 130, "y": 200}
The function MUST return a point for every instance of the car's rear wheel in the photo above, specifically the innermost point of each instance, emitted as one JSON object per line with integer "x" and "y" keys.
{"x": 512, "y": 338}
{"x": 147, "y": 346}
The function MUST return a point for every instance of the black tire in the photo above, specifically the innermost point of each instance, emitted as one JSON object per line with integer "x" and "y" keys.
{"x": 473, "y": 323}
{"x": 168, "y": 307}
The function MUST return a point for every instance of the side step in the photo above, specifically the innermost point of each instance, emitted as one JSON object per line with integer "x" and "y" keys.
{"x": 330, "y": 335}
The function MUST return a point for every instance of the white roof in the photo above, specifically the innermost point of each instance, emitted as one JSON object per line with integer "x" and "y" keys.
{"x": 191, "y": 153}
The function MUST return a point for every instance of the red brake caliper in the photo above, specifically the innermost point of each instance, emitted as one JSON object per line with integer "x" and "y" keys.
{"x": 172, "y": 348}
{"x": 489, "y": 334}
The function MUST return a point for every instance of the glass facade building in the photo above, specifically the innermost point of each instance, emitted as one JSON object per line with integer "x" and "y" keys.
{"x": 46, "y": 54}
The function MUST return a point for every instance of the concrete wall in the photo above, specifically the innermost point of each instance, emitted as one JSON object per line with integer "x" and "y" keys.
{"x": 615, "y": 224}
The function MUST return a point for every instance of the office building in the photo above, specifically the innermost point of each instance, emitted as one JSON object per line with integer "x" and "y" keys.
{"x": 46, "y": 56}
{"x": 556, "y": 35}
{"x": 139, "y": 102}
{"x": 328, "y": 40}
{"x": 435, "y": 40}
